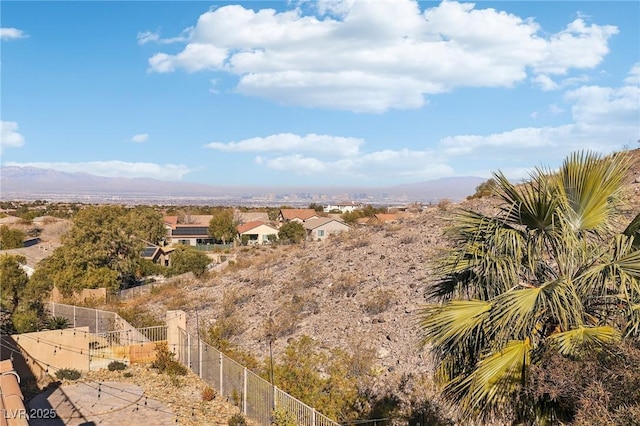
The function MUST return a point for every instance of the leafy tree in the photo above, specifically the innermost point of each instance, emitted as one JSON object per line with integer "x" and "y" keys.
{"x": 485, "y": 189}
{"x": 99, "y": 250}
{"x": 14, "y": 280}
{"x": 317, "y": 207}
{"x": 188, "y": 259}
{"x": 292, "y": 232}
{"x": 551, "y": 271}
{"x": 222, "y": 226}
{"x": 11, "y": 238}
{"x": 146, "y": 224}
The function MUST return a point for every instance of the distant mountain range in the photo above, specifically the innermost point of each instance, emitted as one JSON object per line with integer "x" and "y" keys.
{"x": 28, "y": 183}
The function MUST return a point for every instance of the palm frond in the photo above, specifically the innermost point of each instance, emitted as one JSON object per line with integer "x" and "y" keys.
{"x": 633, "y": 230}
{"x": 589, "y": 184}
{"x": 449, "y": 324}
{"x": 532, "y": 205}
{"x": 518, "y": 311}
{"x": 494, "y": 380}
{"x": 573, "y": 342}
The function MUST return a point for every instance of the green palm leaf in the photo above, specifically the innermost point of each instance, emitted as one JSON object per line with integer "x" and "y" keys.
{"x": 494, "y": 380}
{"x": 588, "y": 186}
{"x": 573, "y": 342}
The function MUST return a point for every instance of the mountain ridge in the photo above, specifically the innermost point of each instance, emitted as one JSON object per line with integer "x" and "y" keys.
{"x": 29, "y": 182}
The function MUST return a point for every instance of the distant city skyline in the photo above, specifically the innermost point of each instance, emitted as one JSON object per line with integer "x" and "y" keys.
{"x": 323, "y": 93}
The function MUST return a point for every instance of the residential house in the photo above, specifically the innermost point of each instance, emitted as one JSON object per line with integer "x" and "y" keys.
{"x": 257, "y": 232}
{"x": 246, "y": 217}
{"x": 194, "y": 232}
{"x": 321, "y": 228}
{"x": 297, "y": 215}
{"x": 382, "y": 218}
{"x": 344, "y": 207}
{"x": 157, "y": 254}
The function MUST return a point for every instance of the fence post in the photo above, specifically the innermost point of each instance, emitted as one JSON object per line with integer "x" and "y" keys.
{"x": 189, "y": 351}
{"x": 200, "y": 357}
{"x": 313, "y": 417}
{"x": 74, "y": 316}
{"x": 221, "y": 380}
{"x": 53, "y": 309}
{"x": 97, "y": 330}
{"x": 244, "y": 392}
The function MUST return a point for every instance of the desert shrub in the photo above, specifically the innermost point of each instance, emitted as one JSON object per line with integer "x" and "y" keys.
{"x": 11, "y": 238}
{"x": 379, "y": 301}
{"x": 282, "y": 417}
{"x": 68, "y": 374}
{"x": 237, "y": 420}
{"x": 139, "y": 316}
{"x": 444, "y": 203}
{"x": 128, "y": 374}
{"x": 25, "y": 321}
{"x": 309, "y": 274}
{"x": 485, "y": 189}
{"x": 208, "y": 394}
{"x": 116, "y": 366}
{"x": 346, "y": 285}
{"x": 325, "y": 380}
{"x": 165, "y": 361}
{"x": 57, "y": 323}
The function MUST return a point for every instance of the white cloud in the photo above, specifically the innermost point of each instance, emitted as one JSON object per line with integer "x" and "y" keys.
{"x": 11, "y": 34}
{"x": 604, "y": 119}
{"x": 325, "y": 144}
{"x": 375, "y": 56}
{"x": 145, "y": 37}
{"x": 139, "y": 138}
{"x": 634, "y": 75}
{"x": 169, "y": 172}
{"x": 385, "y": 164}
{"x": 545, "y": 83}
{"x": 9, "y": 136}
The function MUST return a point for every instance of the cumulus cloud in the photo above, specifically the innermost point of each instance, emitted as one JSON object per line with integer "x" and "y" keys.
{"x": 403, "y": 163}
{"x": 145, "y": 37}
{"x": 634, "y": 75}
{"x": 604, "y": 118}
{"x": 139, "y": 138}
{"x": 11, "y": 34}
{"x": 375, "y": 56}
{"x": 168, "y": 172}
{"x": 325, "y": 144}
{"x": 9, "y": 136}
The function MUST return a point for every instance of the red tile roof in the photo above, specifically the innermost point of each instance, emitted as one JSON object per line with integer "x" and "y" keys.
{"x": 302, "y": 214}
{"x": 250, "y": 225}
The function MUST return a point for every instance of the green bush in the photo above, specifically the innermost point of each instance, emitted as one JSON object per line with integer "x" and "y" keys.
{"x": 165, "y": 361}
{"x": 128, "y": 374}
{"x": 68, "y": 374}
{"x": 57, "y": 323}
{"x": 25, "y": 322}
{"x": 282, "y": 417}
{"x": 116, "y": 366}
{"x": 237, "y": 420}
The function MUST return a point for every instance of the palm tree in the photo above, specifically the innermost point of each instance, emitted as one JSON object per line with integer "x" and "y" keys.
{"x": 554, "y": 269}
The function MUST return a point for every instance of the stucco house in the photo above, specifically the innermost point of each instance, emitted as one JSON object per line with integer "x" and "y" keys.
{"x": 382, "y": 218}
{"x": 257, "y": 231}
{"x": 344, "y": 207}
{"x": 157, "y": 254}
{"x": 297, "y": 215}
{"x": 321, "y": 228}
{"x": 194, "y": 232}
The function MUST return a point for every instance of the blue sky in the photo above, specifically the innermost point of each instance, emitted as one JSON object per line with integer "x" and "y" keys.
{"x": 328, "y": 92}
